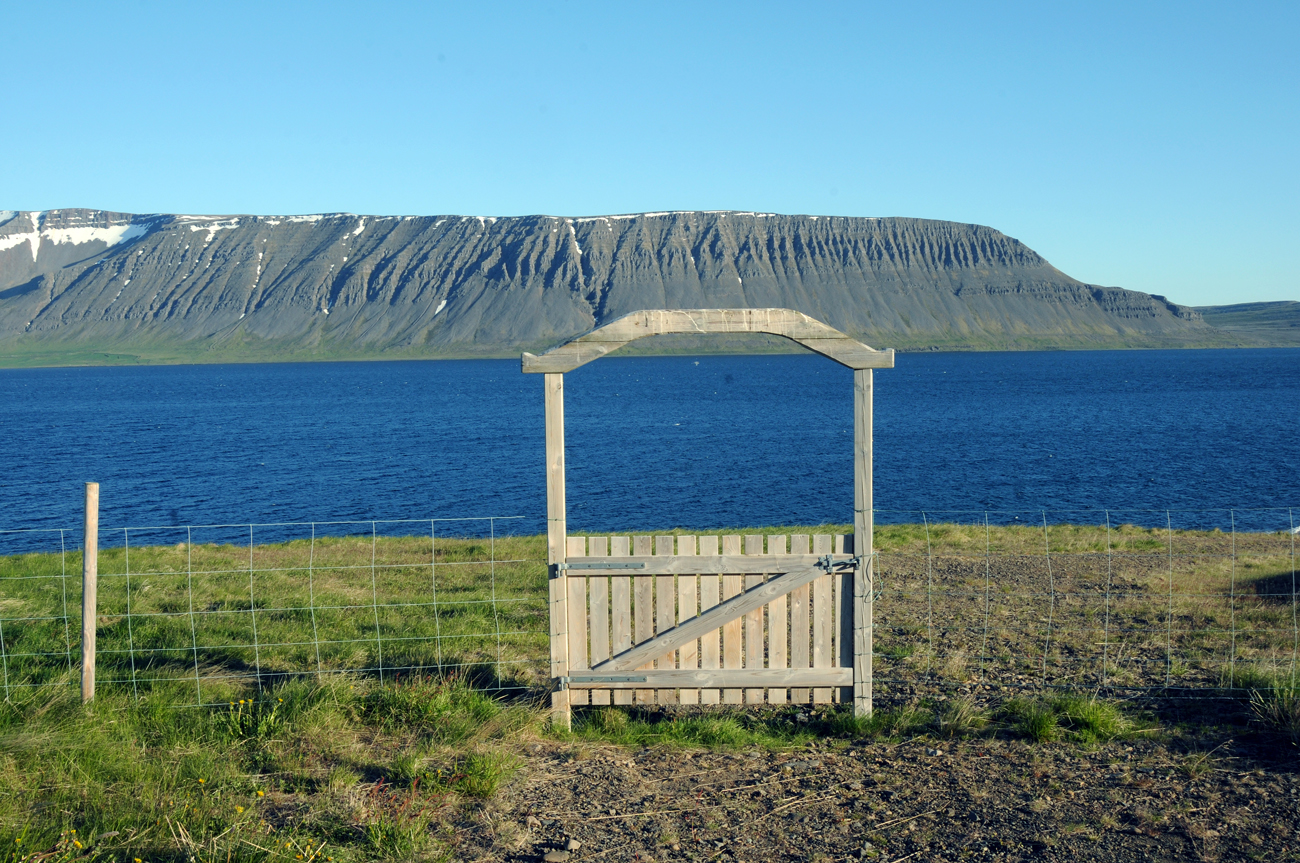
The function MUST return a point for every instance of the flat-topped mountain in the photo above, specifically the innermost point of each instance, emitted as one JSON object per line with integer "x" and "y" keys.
{"x": 94, "y": 286}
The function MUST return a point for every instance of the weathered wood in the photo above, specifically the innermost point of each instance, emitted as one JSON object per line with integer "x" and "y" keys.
{"x": 643, "y": 613}
{"x": 733, "y": 564}
{"x": 599, "y": 598}
{"x": 862, "y": 528}
{"x": 822, "y": 621}
{"x": 798, "y": 327}
{"x": 777, "y": 627}
{"x": 89, "y": 590}
{"x": 828, "y": 625}
{"x": 576, "y": 547}
{"x": 754, "y": 624}
{"x": 705, "y": 678}
{"x": 688, "y": 656}
{"x": 621, "y": 593}
{"x": 555, "y": 534}
{"x": 665, "y": 615}
{"x": 710, "y": 596}
{"x": 800, "y": 625}
{"x": 731, "y": 609}
{"x": 732, "y": 630}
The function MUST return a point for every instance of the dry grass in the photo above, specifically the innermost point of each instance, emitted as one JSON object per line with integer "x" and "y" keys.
{"x": 214, "y": 618}
{"x": 1072, "y": 605}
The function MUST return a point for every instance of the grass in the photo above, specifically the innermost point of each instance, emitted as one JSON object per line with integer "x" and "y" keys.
{"x": 1128, "y": 607}
{"x": 321, "y": 770}
{"x": 366, "y": 710}
{"x": 1275, "y": 703}
{"x": 211, "y": 617}
{"x": 348, "y": 769}
{"x": 1080, "y": 719}
{"x": 731, "y": 730}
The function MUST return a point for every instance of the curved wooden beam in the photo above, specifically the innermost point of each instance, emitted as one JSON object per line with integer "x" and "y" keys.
{"x": 796, "y": 326}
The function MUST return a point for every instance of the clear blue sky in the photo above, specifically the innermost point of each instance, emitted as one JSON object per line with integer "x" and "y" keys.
{"x": 1151, "y": 146}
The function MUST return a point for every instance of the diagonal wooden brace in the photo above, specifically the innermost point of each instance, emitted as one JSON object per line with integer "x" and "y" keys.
{"x": 755, "y": 597}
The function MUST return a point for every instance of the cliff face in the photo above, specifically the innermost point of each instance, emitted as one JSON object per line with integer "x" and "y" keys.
{"x": 346, "y": 285}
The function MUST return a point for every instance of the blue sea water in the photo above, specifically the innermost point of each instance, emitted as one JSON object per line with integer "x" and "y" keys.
{"x": 660, "y": 442}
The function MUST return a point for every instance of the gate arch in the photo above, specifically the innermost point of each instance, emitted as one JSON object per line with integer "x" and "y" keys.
{"x": 622, "y": 667}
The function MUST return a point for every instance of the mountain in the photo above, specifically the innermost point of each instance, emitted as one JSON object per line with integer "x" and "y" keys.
{"x": 88, "y": 286}
{"x": 1276, "y": 323}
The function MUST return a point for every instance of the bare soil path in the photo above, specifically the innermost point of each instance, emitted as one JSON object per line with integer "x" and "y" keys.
{"x": 976, "y": 799}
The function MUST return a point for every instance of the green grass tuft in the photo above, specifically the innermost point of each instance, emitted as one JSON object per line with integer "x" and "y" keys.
{"x": 1033, "y": 720}
{"x": 1089, "y": 720}
{"x": 1278, "y": 708}
{"x": 961, "y": 717}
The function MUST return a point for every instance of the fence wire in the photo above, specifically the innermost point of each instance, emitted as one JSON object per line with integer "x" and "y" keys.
{"x": 205, "y": 613}
{"x": 1189, "y": 604}
{"x": 1105, "y": 600}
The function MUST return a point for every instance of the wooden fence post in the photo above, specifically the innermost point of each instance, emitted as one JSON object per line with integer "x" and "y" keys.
{"x": 556, "y": 529}
{"x": 89, "y": 590}
{"x": 863, "y": 580}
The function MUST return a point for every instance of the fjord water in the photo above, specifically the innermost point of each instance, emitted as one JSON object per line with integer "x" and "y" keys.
{"x": 658, "y": 442}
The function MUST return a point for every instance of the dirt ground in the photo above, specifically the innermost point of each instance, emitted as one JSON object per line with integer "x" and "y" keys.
{"x": 1183, "y": 797}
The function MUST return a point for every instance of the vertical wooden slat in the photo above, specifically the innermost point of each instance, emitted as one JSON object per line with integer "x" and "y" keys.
{"x": 822, "y": 620}
{"x": 800, "y": 631}
{"x": 710, "y": 595}
{"x": 688, "y": 656}
{"x": 643, "y": 611}
{"x": 754, "y": 652}
{"x": 665, "y": 615}
{"x": 576, "y": 546}
{"x": 555, "y": 532}
{"x": 599, "y": 624}
{"x": 732, "y": 585}
{"x": 776, "y": 627}
{"x": 844, "y": 618}
{"x": 621, "y": 625}
{"x": 863, "y": 582}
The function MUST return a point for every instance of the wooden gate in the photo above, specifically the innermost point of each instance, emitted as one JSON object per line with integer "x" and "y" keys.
{"x": 709, "y": 619}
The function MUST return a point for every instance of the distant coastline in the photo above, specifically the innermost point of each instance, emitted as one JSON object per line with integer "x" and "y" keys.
{"x": 89, "y": 287}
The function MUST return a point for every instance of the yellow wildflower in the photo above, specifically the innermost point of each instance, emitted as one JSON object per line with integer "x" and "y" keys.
{"x": 201, "y": 781}
{"x": 239, "y": 809}
{"x": 261, "y": 794}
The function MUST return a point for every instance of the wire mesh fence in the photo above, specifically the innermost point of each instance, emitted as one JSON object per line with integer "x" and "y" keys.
{"x": 1189, "y": 604}
{"x": 207, "y": 613}
{"x": 1177, "y": 601}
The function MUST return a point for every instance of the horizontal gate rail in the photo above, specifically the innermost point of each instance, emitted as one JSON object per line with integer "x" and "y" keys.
{"x": 725, "y": 564}
{"x": 767, "y": 678}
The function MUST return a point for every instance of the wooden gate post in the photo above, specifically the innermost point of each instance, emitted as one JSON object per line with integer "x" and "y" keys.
{"x": 556, "y": 529}
{"x": 863, "y": 546}
{"x": 89, "y": 591}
